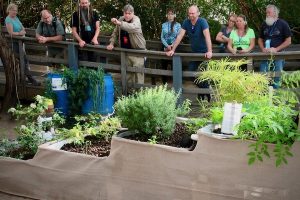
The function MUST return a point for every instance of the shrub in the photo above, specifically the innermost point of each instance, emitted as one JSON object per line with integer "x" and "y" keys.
{"x": 269, "y": 123}
{"x": 29, "y": 134}
{"x": 230, "y": 83}
{"x": 150, "y": 111}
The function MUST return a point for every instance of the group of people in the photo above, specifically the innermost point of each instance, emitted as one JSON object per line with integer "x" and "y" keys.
{"x": 274, "y": 36}
{"x": 236, "y": 37}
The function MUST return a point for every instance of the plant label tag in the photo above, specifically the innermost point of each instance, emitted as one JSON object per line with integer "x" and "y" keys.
{"x": 232, "y": 117}
{"x": 57, "y": 84}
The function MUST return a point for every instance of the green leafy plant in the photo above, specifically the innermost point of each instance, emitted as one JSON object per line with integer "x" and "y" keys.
{"x": 103, "y": 128}
{"x": 269, "y": 123}
{"x": 30, "y": 130}
{"x": 81, "y": 84}
{"x": 230, "y": 83}
{"x": 290, "y": 80}
{"x": 150, "y": 111}
{"x": 153, "y": 139}
{"x": 194, "y": 124}
{"x": 269, "y": 116}
{"x": 216, "y": 115}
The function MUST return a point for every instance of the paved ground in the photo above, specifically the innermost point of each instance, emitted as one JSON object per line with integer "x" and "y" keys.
{"x": 7, "y": 126}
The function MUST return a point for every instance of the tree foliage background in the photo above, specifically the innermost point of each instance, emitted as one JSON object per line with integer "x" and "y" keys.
{"x": 152, "y": 12}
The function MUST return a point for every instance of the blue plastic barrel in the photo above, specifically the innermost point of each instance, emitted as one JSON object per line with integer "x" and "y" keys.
{"x": 106, "y": 96}
{"x": 61, "y": 92}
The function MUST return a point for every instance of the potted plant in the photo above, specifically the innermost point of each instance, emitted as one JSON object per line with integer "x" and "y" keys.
{"x": 36, "y": 126}
{"x": 267, "y": 118}
{"x": 85, "y": 90}
{"x": 90, "y": 135}
{"x": 150, "y": 114}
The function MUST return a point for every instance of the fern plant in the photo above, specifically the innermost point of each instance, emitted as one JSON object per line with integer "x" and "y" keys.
{"x": 230, "y": 83}
{"x": 290, "y": 80}
{"x": 151, "y": 111}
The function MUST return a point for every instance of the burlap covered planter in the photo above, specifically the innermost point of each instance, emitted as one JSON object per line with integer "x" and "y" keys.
{"x": 216, "y": 169}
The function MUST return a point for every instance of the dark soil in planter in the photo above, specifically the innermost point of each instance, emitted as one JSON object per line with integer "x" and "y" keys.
{"x": 92, "y": 146}
{"x": 96, "y": 147}
{"x": 19, "y": 153}
{"x": 179, "y": 138}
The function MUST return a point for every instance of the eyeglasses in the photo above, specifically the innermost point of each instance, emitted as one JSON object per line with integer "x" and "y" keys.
{"x": 193, "y": 29}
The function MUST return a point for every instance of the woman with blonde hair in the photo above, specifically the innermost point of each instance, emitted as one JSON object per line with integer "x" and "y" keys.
{"x": 12, "y": 22}
{"x": 15, "y": 28}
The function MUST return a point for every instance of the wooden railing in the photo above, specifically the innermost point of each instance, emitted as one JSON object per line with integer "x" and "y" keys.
{"x": 115, "y": 61}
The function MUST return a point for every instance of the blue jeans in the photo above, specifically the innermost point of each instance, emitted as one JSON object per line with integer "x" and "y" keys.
{"x": 275, "y": 65}
{"x": 193, "y": 65}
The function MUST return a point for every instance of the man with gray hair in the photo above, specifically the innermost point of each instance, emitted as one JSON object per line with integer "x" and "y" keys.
{"x": 50, "y": 29}
{"x": 129, "y": 32}
{"x": 275, "y": 36}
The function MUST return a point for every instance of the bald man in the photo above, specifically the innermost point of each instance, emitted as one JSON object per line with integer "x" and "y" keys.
{"x": 198, "y": 31}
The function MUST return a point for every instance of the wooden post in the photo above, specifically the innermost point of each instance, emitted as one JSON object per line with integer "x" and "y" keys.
{"x": 177, "y": 76}
{"x": 250, "y": 64}
{"x": 73, "y": 57}
{"x": 124, "y": 72}
{"x": 22, "y": 62}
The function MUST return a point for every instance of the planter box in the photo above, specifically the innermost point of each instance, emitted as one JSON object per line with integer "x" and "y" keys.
{"x": 216, "y": 169}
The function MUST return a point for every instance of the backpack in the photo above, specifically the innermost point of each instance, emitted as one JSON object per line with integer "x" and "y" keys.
{"x": 54, "y": 20}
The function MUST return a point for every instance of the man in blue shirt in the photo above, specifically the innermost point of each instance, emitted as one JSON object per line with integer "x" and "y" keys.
{"x": 198, "y": 31}
{"x": 275, "y": 36}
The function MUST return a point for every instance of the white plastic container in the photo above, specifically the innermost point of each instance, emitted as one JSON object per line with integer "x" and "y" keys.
{"x": 232, "y": 117}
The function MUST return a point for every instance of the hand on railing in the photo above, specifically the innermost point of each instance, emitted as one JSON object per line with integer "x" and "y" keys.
{"x": 208, "y": 54}
{"x": 81, "y": 43}
{"x": 22, "y": 33}
{"x": 42, "y": 39}
{"x": 170, "y": 53}
{"x": 110, "y": 47}
{"x": 94, "y": 41}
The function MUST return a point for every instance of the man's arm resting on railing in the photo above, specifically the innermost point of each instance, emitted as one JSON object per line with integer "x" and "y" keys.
{"x": 77, "y": 37}
{"x": 176, "y": 43}
{"x": 206, "y": 34}
{"x": 287, "y": 42}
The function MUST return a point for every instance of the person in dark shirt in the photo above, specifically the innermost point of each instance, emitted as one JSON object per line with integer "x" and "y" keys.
{"x": 275, "y": 36}
{"x": 197, "y": 29}
{"x": 85, "y": 25}
{"x": 224, "y": 33}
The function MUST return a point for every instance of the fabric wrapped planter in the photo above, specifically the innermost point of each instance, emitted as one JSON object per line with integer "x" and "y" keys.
{"x": 216, "y": 169}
